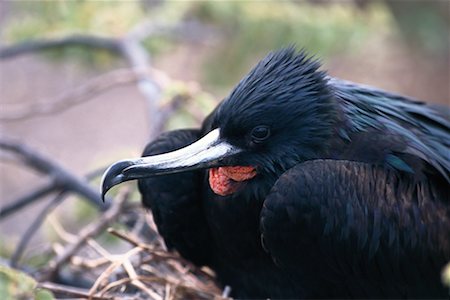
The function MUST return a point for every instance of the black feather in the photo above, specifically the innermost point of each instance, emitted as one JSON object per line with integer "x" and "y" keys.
{"x": 350, "y": 197}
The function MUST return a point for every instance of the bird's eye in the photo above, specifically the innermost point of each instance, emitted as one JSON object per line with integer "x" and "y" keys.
{"x": 260, "y": 134}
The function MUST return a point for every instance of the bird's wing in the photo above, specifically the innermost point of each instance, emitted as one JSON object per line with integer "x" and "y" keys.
{"x": 175, "y": 201}
{"x": 424, "y": 129}
{"x": 357, "y": 229}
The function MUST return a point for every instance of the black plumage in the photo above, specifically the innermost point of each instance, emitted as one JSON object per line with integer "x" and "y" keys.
{"x": 335, "y": 190}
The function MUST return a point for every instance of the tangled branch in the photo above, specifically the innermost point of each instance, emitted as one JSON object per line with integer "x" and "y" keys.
{"x": 61, "y": 177}
{"x": 70, "y": 98}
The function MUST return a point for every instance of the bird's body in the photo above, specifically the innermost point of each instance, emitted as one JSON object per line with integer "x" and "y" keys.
{"x": 304, "y": 186}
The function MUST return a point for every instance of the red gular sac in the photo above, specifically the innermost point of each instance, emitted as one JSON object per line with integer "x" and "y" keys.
{"x": 226, "y": 180}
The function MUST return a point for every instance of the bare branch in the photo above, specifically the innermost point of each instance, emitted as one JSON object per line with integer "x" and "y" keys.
{"x": 128, "y": 46}
{"x": 90, "y": 41}
{"x": 92, "y": 230}
{"x": 62, "y": 177}
{"x": 39, "y": 193}
{"x": 187, "y": 30}
{"x": 71, "y": 291}
{"x": 139, "y": 60}
{"x": 27, "y": 199}
{"x": 32, "y": 229}
{"x": 69, "y": 99}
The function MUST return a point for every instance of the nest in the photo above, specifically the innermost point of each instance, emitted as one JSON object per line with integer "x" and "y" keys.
{"x": 143, "y": 269}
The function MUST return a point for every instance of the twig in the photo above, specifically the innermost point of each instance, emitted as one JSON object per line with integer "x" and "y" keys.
{"x": 72, "y": 291}
{"x": 89, "y": 263}
{"x": 168, "y": 293}
{"x": 27, "y": 199}
{"x": 187, "y": 30}
{"x": 139, "y": 60}
{"x": 128, "y": 46}
{"x": 71, "y": 98}
{"x": 86, "y": 233}
{"x": 140, "y": 285}
{"x": 60, "y": 231}
{"x": 226, "y": 292}
{"x": 39, "y": 193}
{"x": 112, "y": 285}
{"x": 156, "y": 253}
{"x": 90, "y": 41}
{"x": 116, "y": 261}
{"x": 34, "y": 226}
{"x": 62, "y": 177}
{"x": 149, "y": 248}
{"x": 128, "y": 238}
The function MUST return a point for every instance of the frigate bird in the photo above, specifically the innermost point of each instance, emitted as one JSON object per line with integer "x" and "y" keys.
{"x": 300, "y": 185}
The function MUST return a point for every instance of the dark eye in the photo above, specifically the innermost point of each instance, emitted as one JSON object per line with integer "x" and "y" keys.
{"x": 260, "y": 133}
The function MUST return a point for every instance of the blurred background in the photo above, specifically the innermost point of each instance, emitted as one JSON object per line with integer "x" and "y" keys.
{"x": 82, "y": 82}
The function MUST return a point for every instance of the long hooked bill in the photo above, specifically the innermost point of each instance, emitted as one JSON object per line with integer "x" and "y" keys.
{"x": 205, "y": 153}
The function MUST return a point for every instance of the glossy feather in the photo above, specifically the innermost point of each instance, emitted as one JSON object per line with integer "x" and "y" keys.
{"x": 350, "y": 200}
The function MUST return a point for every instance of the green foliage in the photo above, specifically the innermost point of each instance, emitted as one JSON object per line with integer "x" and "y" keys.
{"x": 246, "y": 30}
{"x": 55, "y": 19}
{"x": 59, "y": 18}
{"x": 254, "y": 28}
{"x": 204, "y": 104}
{"x": 17, "y": 285}
{"x": 6, "y": 247}
{"x": 424, "y": 24}
{"x": 84, "y": 212}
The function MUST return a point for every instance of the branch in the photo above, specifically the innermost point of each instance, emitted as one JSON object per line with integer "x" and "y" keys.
{"x": 72, "y": 291}
{"x": 129, "y": 46}
{"x": 92, "y": 230}
{"x": 90, "y": 41}
{"x": 39, "y": 193}
{"x": 191, "y": 30}
{"x": 63, "y": 178}
{"x": 68, "y": 99}
{"x": 27, "y": 199}
{"x": 35, "y": 225}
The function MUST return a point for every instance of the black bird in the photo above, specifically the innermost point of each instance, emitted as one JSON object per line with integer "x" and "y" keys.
{"x": 299, "y": 185}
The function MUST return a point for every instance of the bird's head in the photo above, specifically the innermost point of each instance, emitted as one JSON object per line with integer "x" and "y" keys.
{"x": 280, "y": 114}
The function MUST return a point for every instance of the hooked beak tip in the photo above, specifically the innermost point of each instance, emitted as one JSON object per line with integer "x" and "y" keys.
{"x": 109, "y": 183}
{"x": 113, "y": 176}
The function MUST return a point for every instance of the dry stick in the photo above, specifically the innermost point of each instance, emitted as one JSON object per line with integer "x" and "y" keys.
{"x": 89, "y": 263}
{"x": 39, "y": 193}
{"x": 70, "y": 98}
{"x": 130, "y": 47}
{"x": 190, "y": 30}
{"x": 29, "y": 198}
{"x": 86, "y": 233}
{"x": 116, "y": 261}
{"x": 139, "y": 60}
{"x": 72, "y": 291}
{"x": 35, "y": 225}
{"x": 156, "y": 253}
{"x": 91, "y": 41}
{"x": 112, "y": 285}
{"x": 168, "y": 293}
{"x": 60, "y": 231}
{"x": 128, "y": 238}
{"x": 134, "y": 279}
{"x": 140, "y": 285}
{"x": 128, "y": 266}
{"x": 177, "y": 285}
{"x": 62, "y": 177}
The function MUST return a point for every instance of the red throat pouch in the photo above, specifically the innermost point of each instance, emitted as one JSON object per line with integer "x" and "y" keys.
{"x": 226, "y": 180}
